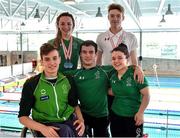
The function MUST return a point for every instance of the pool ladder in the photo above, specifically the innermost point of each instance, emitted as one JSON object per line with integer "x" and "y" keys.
{"x": 156, "y": 75}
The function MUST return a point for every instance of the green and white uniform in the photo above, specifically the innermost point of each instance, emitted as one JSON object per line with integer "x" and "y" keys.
{"x": 49, "y": 102}
{"x": 75, "y": 53}
{"x": 92, "y": 85}
{"x": 92, "y": 88}
{"x": 127, "y": 96}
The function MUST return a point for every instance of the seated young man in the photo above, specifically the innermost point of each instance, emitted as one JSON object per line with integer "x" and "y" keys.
{"x": 52, "y": 98}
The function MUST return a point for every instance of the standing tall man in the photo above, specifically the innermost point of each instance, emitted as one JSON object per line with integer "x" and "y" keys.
{"x": 110, "y": 39}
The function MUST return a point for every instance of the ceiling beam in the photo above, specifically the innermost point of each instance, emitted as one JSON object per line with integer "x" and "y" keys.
{"x": 35, "y": 7}
{"x": 4, "y": 23}
{"x": 50, "y": 20}
{"x": 47, "y": 9}
{"x": 78, "y": 11}
{"x": 58, "y": 3}
{"x": 6, "y": 12}
{"x": 10, "y": 7}
{"x": 132, "y": 9}
{"x": 53, "y": 16}
{"x": 161, "y": 5}
{"x": 26, "y": 10}
{"x": 49, "y": 16}
{"x": 18, "y": 7}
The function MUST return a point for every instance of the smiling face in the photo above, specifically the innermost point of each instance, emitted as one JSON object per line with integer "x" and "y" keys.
{"x": 115, "y": 18}
{"x": 65, "y": 25}
{"x": 119, "y": 60}
{"x": 88, "y": 56}
{"x": 51, "y": 63}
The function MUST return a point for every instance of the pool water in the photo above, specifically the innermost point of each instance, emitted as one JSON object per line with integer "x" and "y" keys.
{"x": 164, "y": 82}
{"x": 162, "y": 123}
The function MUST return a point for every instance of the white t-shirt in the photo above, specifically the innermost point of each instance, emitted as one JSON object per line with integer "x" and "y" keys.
{"x": 105, "y": 44}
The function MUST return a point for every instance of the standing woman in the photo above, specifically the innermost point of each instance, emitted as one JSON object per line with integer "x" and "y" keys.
{"x": 67, "y": 44}
{"x": 130, "y": 97}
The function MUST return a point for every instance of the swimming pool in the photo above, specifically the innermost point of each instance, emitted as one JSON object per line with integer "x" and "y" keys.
{"x": 164, "y": 82}
{"x": 162, "y": 123}
{"x": 162, "y": 118}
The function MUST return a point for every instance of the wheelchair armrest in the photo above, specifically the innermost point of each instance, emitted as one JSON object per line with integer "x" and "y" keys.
{"x": 24, "y": 132}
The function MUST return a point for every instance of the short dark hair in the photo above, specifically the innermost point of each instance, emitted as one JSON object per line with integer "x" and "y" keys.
{"x": 88, "y": 43}
{"x": 46, "y": 48}
{"x": 117, "y": 7}
{"x": 122, "y": 48}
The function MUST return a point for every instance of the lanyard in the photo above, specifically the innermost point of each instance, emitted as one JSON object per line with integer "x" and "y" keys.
{"x": 118, "y": 42}
{"x": 67, "y": 51}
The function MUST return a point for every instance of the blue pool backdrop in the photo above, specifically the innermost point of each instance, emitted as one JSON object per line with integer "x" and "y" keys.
{"x": 164, "y": 82}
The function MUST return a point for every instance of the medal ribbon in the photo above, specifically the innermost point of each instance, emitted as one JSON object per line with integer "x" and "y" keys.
{"x": 67, "y": 51}
{"x": 118, "y": 42}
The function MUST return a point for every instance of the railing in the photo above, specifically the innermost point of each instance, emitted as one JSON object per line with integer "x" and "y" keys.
{"x": 156, "y": 75}
{"x": 162, "y": 123}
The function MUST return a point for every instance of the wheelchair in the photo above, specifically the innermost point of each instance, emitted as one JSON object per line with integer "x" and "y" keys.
{"x": 25, "y": 131}
{"x": 34, "y": 134}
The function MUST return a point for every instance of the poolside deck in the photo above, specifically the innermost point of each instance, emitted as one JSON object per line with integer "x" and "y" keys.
{"x": 10, "y": 96}
{"x": 165, "y": 99}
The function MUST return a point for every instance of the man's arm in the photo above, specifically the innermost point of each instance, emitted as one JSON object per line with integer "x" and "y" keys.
{"x": 138, "y": 72}
{"x": 47, "y": 131}
{"x": 110, "y": 92}
{"x": 99, "y": 58}
{"x": 78, "y": 113}
{"x": 73, "y": 101}
{"x": 79, "y": 122}
{"x": 133, "y": 56}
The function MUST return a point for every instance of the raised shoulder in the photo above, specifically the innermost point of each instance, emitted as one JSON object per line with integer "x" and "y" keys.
{"x": 130, "y": 35}
{"x": 77, "y": 72}
{"x": 102, "y": 35}
{"x": 109, "y": 69}
{"x": 33, "y": 81}
{"x": 51, "y": 41}
{"x": 78, "y": 40}
{"x": 106, "y": 69}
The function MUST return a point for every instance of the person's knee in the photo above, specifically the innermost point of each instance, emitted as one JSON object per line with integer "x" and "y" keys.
{"x": 66, "y": 131}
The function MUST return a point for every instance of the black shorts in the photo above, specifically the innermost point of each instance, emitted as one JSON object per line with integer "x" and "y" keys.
{"x": 124, "y": 126}
{"x": 98, "y": 125}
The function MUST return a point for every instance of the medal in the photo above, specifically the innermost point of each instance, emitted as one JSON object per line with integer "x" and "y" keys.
{"x": 118, "y": 42}
{"x": 67, "y": 53}
{"x": 68, "y": 64}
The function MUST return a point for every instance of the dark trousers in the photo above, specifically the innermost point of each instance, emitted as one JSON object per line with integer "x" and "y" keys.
{"x": 67, "y": 129}
{"x": 124, "y": 126}
{"x": 98, "y": 125}
{"x": 110, "y": 101}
